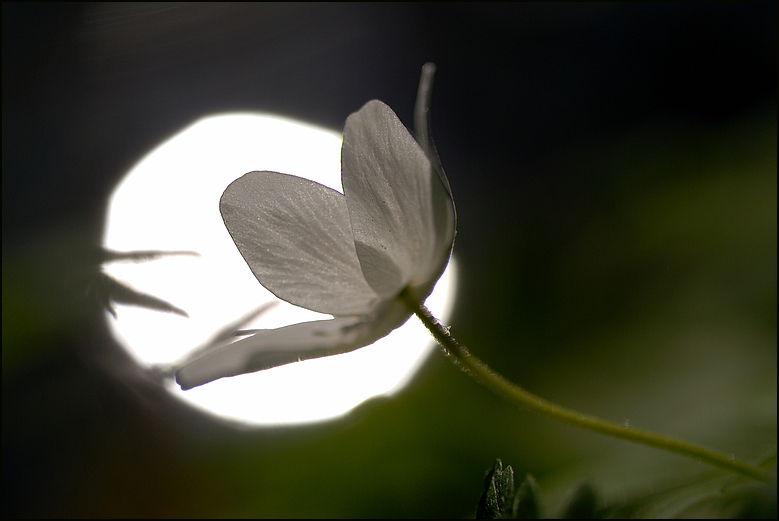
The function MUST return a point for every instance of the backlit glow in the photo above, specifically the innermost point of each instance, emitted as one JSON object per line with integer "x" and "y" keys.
{"x": 170, "y": 201}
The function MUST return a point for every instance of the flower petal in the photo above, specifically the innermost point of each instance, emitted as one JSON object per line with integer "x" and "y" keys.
{"x": 274, "y": 347}
{"x": 444, "y": 214}
{"x": 296, "y": 237}
{"x": 387, "y": 182}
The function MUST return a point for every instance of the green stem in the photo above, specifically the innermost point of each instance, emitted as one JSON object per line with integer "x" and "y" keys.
{"x": 519, "y": 396}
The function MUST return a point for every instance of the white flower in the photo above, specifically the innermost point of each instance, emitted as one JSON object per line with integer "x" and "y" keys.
{"x": 348, "y": 255}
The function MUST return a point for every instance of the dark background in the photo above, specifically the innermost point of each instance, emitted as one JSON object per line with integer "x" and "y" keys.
{"x": 614, "y": 171}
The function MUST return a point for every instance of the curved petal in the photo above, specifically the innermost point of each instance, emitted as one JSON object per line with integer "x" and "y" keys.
{"x": 387, "y": 182}
{"x": 274, "y": 347}
{"x": 444, "y": 213}
{"x": 295, "y": 236}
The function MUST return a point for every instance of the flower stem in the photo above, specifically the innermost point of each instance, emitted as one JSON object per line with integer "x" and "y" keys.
{"x": 502, "y": 387}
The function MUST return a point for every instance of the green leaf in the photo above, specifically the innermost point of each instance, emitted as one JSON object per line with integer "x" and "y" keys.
{"x": 583, "y": 503}
{"x": 497, "y": 499}
{"x": 527, "y": 500}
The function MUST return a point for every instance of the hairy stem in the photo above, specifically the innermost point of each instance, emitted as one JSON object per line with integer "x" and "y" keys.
{"x": 499, "y": 385}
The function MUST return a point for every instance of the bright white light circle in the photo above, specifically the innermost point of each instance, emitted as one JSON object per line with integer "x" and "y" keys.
{"x": 170, "y": 201}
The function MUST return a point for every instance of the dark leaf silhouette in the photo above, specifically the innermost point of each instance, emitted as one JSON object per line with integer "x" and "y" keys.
{"x": 108, "y": 291}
